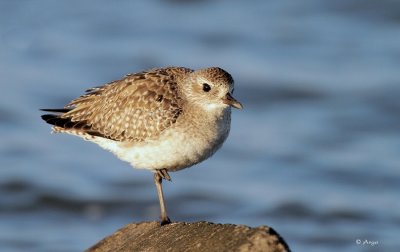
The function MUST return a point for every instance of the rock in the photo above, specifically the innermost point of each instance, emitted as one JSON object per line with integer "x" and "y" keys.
{"x": 198, "y": 236}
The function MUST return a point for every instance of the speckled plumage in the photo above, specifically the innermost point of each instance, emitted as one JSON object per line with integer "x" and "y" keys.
{"x": 162, "y": 119}
{"x": 133, "y": 113}
{"x": 135, "y": 108}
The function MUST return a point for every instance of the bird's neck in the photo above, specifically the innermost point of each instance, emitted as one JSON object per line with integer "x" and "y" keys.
{"x": 203, "y": 118}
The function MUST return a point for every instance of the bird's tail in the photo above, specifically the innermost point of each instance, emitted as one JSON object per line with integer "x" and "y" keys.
{"x": 65, "y": 124}
{"x": 56, "y": 119}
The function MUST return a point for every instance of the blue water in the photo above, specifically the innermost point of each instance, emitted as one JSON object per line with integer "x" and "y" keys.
{"x": 314, "y": 154}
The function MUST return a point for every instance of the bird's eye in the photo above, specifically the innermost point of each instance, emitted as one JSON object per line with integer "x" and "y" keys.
{"x": 206, "y": 87}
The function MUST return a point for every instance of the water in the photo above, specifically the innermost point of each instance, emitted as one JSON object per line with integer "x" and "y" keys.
{"x": 314, "y": 154}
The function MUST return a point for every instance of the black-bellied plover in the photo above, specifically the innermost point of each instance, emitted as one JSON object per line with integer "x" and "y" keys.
{"x": 164, "y": 119}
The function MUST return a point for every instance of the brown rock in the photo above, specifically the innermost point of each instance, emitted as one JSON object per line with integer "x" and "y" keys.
{"x": 198, "y": 236}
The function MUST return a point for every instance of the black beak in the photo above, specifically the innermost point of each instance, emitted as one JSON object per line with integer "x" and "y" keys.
{"x": 232, "y": 101}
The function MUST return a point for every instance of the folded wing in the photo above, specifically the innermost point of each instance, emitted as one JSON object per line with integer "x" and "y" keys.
{"x": 135, "y": 108}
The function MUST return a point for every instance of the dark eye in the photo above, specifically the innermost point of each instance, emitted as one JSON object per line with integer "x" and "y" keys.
{"x": 206, "y": 87}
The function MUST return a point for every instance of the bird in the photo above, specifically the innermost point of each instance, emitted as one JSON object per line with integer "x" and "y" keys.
{"x": 163, "y": 119}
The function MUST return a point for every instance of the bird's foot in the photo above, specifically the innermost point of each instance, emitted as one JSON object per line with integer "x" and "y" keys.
{"x": 164, "y": 174}
{"x": 165, "y": 221}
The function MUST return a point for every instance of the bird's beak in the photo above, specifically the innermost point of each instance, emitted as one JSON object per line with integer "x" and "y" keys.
{"x": 228, "y": 99}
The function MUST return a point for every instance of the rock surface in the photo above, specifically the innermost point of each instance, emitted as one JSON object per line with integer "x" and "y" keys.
{"x": 198, "y": 236}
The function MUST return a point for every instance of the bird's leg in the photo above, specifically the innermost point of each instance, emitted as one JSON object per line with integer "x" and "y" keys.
{"x": 159, "y": 175}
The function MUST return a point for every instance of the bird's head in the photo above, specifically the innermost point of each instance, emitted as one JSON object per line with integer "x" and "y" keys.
{"x": 211, "y": 88}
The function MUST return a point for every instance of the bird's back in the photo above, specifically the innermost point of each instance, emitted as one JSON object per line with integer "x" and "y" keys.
{"x": 138, "y": 107}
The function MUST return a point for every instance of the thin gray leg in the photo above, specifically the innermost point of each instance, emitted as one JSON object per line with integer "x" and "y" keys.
{"x": 158, "y": 177}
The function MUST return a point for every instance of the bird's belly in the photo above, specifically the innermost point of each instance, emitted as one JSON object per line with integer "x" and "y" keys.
{"x": 176, "y": 148}
{"x": 173, "y": 151}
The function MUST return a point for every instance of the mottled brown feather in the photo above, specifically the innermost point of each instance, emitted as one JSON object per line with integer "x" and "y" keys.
{"x": 137, "y": 107}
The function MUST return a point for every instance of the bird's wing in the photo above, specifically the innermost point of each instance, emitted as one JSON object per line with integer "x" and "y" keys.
{"x": 135, "y": 108}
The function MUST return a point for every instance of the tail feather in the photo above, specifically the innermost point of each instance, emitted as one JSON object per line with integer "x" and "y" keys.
{"x": 56, "y": 120}
{"x": 63, "y": 110}
{"x": 68, "y": 124}
{"x": 65, "y": 123}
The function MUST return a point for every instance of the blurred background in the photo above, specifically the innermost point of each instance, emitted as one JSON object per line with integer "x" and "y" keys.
{"x": 314, "y": 154}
